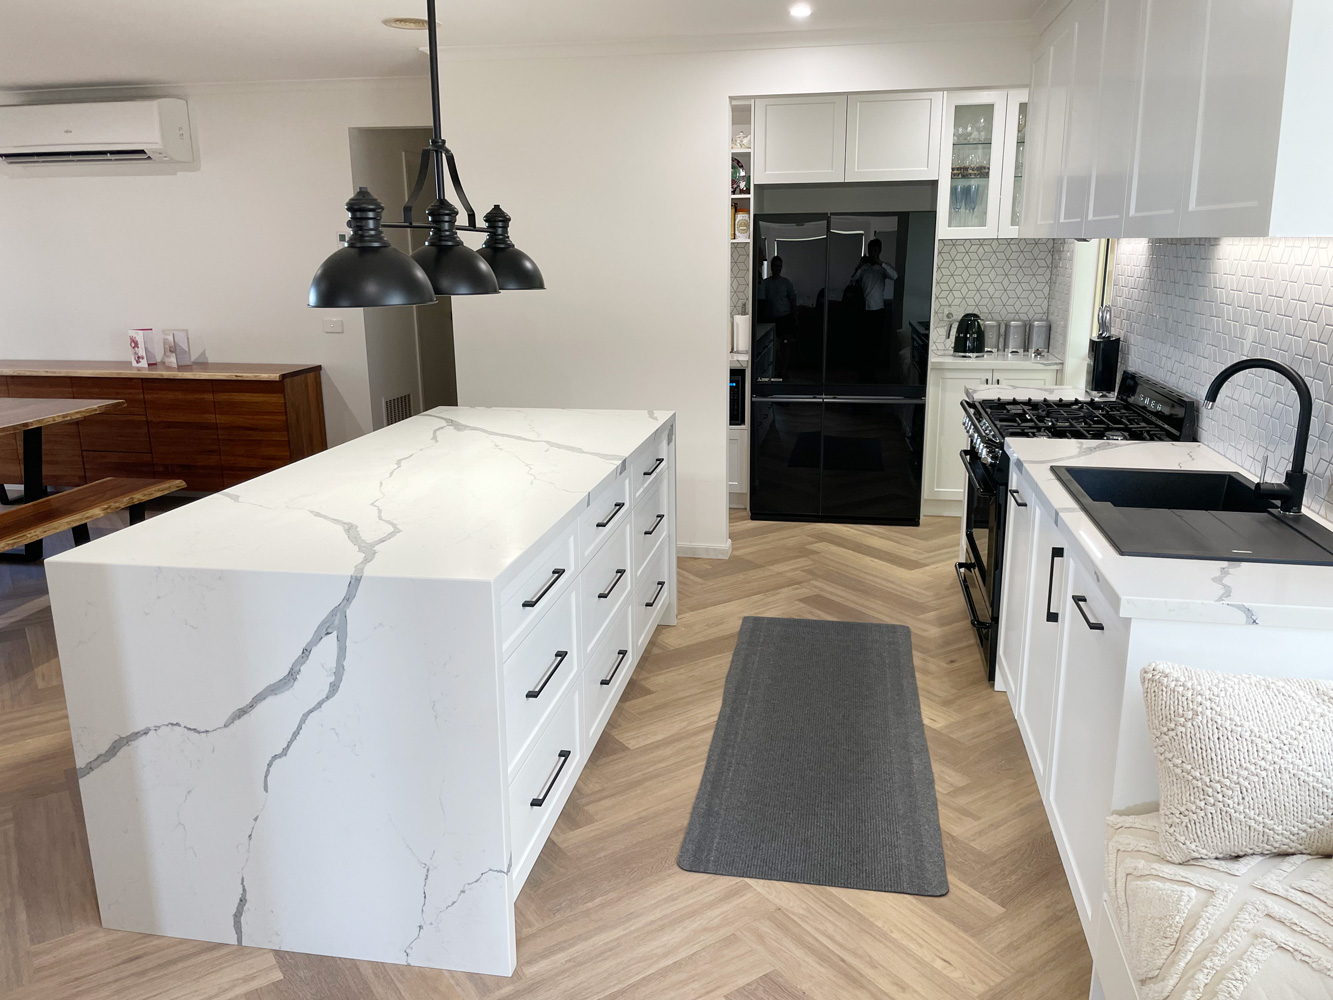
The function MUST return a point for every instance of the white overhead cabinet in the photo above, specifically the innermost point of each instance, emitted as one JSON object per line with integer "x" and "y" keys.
{"x": 800, "y": 140}
{"x": 893, "y": 136}
{"x": 982, "y": 164}
{"x": 1180, "y": 118}
{"x": 826, "y": 138}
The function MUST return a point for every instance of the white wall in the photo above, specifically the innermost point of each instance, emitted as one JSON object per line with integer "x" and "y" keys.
{"x": 225, "y": 247}
{"x": 613, "y": 167}
{"x": 615, "y": 170}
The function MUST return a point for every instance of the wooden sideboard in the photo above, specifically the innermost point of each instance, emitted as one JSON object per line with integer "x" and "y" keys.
{"x": 212, "y": 425}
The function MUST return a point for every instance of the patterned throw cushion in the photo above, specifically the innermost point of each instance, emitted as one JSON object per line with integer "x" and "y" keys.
{"x": 1251, "y": 928}
{"x": 1245, "y": 763}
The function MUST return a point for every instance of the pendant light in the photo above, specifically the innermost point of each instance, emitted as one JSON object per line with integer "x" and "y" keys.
{"x": 369, "y": 272}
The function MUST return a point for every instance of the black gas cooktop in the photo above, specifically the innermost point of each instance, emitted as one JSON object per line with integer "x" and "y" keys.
{"x": 1095, "y": 419}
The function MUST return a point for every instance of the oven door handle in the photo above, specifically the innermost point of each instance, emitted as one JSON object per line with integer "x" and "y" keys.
{"x": 987, "y": 492}
{"x": 960, "y": 569}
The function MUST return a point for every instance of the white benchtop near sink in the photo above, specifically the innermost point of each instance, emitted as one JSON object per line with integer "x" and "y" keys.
{"x": 1193, "y": 590}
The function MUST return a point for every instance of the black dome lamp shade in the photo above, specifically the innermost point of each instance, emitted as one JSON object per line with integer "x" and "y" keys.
{"x": 514, "y": 269}
{"x": 453, "y": 269}
{"x": 369, "y": 272}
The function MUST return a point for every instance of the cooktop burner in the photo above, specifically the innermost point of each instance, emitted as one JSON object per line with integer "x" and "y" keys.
{"x": 1096, "y": 419}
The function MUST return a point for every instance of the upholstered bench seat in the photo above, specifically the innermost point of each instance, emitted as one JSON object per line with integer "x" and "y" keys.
{"x": 1251, "y": 928}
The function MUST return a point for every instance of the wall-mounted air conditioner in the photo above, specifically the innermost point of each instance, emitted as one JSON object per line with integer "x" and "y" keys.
{"x": 110, "y": 131}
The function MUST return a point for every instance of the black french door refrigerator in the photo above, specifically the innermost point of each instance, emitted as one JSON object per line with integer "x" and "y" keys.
{"x": 839, "y": 350}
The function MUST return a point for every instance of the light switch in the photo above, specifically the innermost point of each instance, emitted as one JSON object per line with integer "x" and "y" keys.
{"x": 333, "y": 326}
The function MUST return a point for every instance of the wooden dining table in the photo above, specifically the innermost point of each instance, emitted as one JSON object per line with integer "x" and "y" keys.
{"x": 29, "y": 416}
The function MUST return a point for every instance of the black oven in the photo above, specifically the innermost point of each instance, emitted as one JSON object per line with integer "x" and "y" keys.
{"x": 983, "y": 540}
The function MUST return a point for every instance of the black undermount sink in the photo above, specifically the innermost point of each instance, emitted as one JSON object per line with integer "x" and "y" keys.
{"x": 1193, "y": 515}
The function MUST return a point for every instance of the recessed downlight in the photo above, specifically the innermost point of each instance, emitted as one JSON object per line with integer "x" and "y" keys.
{"x": 407, "y": 23}
{"x": 800, "y": 10}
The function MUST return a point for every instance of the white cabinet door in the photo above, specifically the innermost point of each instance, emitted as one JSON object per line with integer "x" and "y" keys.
{"x": 1094, "y": 649}
{"x": 1037, "y": 686}
{"x": 894, "y": 136}
{"x": 1167, "y": 94}
{"x": 1115, "y": 114}
{"x": 945, "y": 437}
{"x": 1015, "y": 157}
{"x": 1015, "y": 587}
{"x": 970, "y": 167}
{"x": 734, "y": 482}
{"x": 1025, "y": 377}
{"x": 800, "y": 140}
{"x": 1058, "y": 65}
{"x": 1081, "y": 119}
{"x": 1229, "y": 183}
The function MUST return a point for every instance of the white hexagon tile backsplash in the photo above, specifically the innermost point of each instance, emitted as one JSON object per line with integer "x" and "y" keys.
{"x": 1188, "y": 308}
{"x": 998, "y": 279}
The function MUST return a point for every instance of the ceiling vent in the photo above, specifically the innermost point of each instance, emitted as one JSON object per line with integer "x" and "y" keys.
{"x": 104, "y": 132}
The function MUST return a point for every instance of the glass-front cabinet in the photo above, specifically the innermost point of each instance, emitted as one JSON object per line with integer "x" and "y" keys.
{"x": 1011, "y": 192}
{"x": 980, "y": 174}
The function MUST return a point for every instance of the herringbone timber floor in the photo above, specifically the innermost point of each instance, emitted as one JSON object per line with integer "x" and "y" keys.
{"x": 606, "y": 914}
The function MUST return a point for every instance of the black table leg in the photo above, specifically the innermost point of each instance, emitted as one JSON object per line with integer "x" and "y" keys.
{"x": 33, "y": 487}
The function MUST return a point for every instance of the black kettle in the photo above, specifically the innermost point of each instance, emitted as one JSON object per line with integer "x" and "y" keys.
{"x": 969, "y": 337}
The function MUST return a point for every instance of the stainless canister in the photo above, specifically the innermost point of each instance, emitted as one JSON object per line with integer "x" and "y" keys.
{"x": 1040, "y": 337}
{"x": 992, "y": 328}
{"x": 1016, "y": 336}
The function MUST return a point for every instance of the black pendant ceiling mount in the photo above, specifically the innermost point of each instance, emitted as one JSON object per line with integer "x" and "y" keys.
{"x": 369, "y": 272}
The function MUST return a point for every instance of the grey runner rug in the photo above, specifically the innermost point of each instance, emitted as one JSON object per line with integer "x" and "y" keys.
{"x": 818, "y": 771}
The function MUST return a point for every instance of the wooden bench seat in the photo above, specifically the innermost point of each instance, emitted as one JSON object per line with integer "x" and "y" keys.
{"x": 73, "y": 509}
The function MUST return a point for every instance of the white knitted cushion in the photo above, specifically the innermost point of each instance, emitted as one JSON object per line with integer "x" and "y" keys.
{"x": 1252, "y": 928}
{"x": 1245, "y": 763}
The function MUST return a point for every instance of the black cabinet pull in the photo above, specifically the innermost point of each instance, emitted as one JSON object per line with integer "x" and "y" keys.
{"x": 540, "y": 800}
{"x": 655, "y": 466}
{"x": 1018, "y": 500}
{"x": 555, "y": 665}
{"x": 620, "y": 658}
{"x": 620, "y": 575}
{"x": 1053, "y": 616}
{"x": 660, "y": 518}
{"x": 611, "y": 516}
{"x": 556, "y": 574}
{"x": 1079, "y": 600}
{"x": 660, "y": 585}
{"x": 977, "y": 623}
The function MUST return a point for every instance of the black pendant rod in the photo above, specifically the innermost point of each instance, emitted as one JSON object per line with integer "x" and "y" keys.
{"x": 437, "y": 133}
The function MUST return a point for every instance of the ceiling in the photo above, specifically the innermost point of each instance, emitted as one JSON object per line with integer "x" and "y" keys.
{"x": 79, "y": 43}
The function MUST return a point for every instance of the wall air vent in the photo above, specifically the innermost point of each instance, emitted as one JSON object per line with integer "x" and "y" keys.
{"x": 398, "y": 408}
{"x": 81, "y": 156}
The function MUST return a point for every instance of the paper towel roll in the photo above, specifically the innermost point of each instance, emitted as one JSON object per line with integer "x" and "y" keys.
{"x": 740, "y": 334}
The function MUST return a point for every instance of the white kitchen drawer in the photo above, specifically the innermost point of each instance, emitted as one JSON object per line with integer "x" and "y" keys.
{"x": 651, "y": 595}
{"x": 537, "y": 587}
{"x": 537, "y": 673}
{"x": 648, "y": 464}
{"x": 605, "y": 584}
{"x": 539, "y": 790}
{"x": 606, "y": 673}
{"x": 608, "y": 509}
{"x": 650, "y": 523}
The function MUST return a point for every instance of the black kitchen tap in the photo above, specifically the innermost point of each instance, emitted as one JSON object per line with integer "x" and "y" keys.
{"x": 1292, "y": 490}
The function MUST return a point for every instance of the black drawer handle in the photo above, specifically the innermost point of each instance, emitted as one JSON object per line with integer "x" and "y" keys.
{"x": 620, "y": 658}
{"x": 540, "y": 800}
{"x": 620, "y": 575}
{"x": 656, "y": 524}
{"x": 555, "y": 665}
{"x": 977, "y": 623}
{"x": 1018, "y": 500}
{"x": 1079, "y": 600}
{"x": 655, "y": 467}
{"x": 660, "y": 585}
{"x": 556, "y": 574}
{"x": 611, "y": 516}
{"x": 1052, "y": 616}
